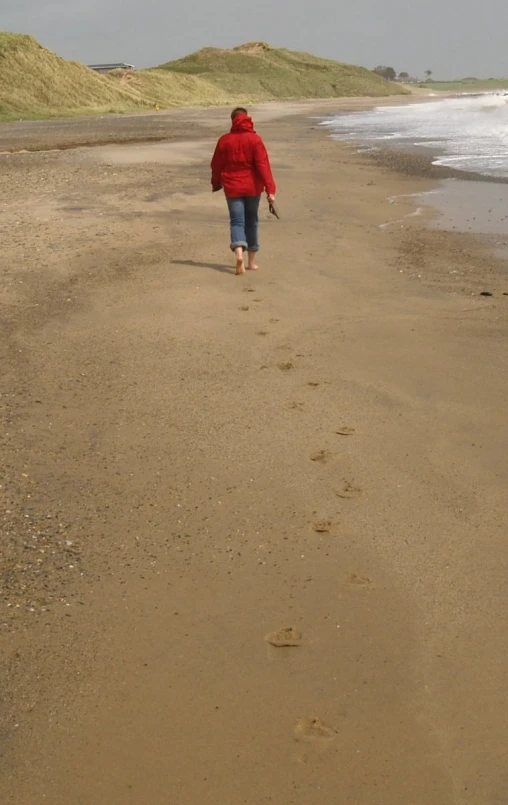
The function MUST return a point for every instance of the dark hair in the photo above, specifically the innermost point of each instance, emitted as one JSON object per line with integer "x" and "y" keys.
{"x": 238, "y": 111}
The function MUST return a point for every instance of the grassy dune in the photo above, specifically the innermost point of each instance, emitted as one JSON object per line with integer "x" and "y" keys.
{"x": 258, "y": 72}
{"x": 35, "y": 83}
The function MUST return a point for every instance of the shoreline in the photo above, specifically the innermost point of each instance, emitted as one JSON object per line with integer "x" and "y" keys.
{"x": 463, "y": 200}
{"x": 176, "y": 459}
{"x": 475, "y": 207}
{"x": 413, "y": 164}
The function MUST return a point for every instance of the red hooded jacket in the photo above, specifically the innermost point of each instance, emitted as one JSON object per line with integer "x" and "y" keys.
{"x": 240, "y": 164}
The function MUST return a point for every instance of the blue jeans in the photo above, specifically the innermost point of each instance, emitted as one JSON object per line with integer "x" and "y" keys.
{"x": 243, "y": 214}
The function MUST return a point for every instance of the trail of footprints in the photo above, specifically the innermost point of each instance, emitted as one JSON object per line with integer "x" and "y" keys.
{"x": 312, "y": 730}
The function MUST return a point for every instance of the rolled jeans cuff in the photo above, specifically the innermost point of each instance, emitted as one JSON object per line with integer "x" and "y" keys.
{"x": 239, "y": 244}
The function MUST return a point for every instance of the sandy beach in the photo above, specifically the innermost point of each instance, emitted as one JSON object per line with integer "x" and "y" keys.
{"x": 195, "y": 461}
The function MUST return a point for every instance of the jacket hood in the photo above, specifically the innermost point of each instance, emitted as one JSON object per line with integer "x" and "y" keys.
{"x": 242, "y": 123}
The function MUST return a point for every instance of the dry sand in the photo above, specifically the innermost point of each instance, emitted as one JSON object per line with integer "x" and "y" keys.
{"x": 253, "y": 529}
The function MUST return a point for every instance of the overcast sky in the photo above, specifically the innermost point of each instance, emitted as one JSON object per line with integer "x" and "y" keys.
{"x": 440, "y": 35}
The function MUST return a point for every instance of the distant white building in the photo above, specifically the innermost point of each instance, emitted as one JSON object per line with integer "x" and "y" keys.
{"x": 107, "y": 68}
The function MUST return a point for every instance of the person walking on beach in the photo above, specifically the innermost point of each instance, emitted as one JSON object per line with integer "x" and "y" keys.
{"x": 241, "y": 167}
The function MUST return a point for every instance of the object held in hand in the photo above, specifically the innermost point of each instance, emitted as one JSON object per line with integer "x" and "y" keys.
{"x": 273, "y": 209}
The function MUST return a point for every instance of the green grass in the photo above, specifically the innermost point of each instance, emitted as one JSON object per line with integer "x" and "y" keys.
{"x": 35, "y": 83}
{"x": 467, "y": 85}
{"x": 8, "y": 40}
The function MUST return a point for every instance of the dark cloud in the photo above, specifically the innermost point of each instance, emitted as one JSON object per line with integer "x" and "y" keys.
{"x": 439, "y": 34}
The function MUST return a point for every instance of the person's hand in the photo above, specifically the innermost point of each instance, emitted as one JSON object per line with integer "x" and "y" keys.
{"x": 271, "y": 198}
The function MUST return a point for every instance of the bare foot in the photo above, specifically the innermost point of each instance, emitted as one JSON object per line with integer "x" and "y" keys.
{"x": 240, "y": 268}
{"x": 253, "y": 267}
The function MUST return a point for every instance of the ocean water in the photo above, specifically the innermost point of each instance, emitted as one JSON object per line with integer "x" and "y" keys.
{"x": 467, "y": 133}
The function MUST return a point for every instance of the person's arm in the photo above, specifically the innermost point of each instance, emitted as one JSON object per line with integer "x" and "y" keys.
{"x": 217, "y": 168}
{"x": 263, "y": 167}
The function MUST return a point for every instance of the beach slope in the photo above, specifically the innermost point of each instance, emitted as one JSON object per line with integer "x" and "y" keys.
{"x": 253, "y": 528}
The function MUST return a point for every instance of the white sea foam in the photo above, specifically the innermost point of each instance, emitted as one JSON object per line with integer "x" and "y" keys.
{"x": 388, "y": 224}
{"x": 470, "y": 132}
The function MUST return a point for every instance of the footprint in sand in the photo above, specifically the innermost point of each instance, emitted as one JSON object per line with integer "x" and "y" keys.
{"x": 322, "y": 457}
{"x": 312, "y": 385}
{"x": 323, "y": 526}
{"x": 347, "y": 490}
{"x": 274, "y": 321}
{"x": 285, "y": 638}
{"x": 249, "y": 290}
{"x": 344, "y": 431}
{"x": 257, "y": 300}
{"x": 358, "y": 581}
{"x": 262, "y": 332}
{"x": 313, "y": 730}
{"x": 244, "y": 308}
{"x": 286, "y": 366}
{"x": 295, "y": 406}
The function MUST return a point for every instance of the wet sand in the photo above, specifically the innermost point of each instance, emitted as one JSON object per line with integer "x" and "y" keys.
{"x": 472, "y": 207}
{"x": 201, "y": 469}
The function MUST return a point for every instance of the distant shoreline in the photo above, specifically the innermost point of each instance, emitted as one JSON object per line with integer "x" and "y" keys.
{"x": 143, "y": 127}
